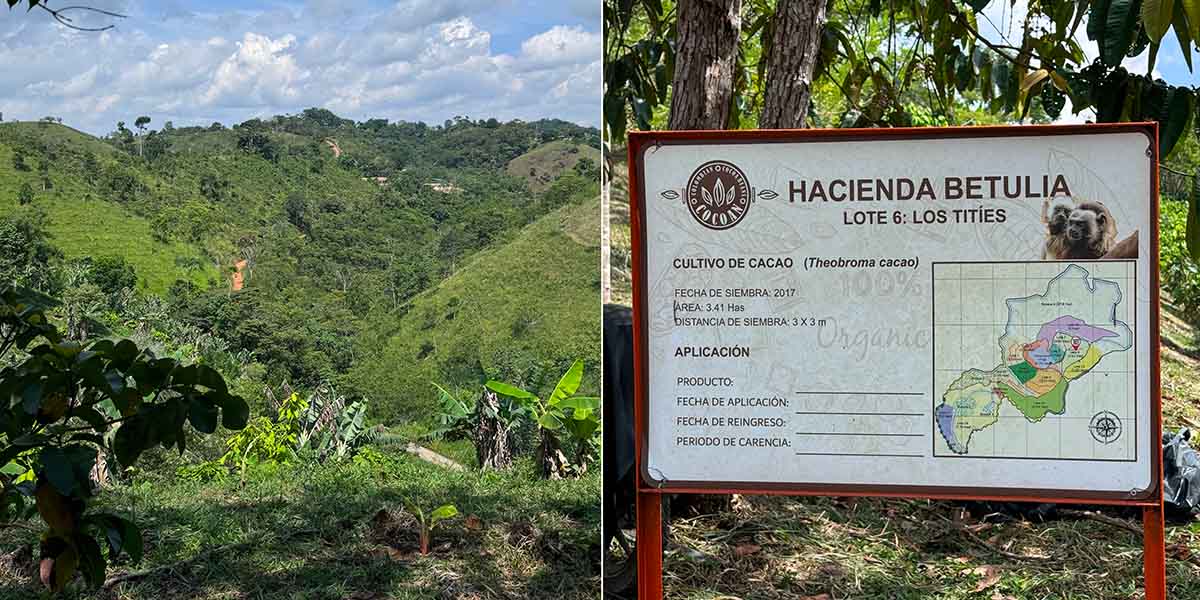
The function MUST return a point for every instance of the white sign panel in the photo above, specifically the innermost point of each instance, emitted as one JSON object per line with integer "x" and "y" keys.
{"x": 900, "y": 313}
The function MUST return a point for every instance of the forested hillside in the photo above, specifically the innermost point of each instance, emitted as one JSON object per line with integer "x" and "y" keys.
{"x": 375, "y": 257}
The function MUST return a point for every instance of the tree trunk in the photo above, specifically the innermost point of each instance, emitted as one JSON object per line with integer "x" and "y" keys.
{"x": 550, "y": 457}
{"x": 493, "y": 440}
{"x": 795, "y": 44}
{"x": 702, "y": 90}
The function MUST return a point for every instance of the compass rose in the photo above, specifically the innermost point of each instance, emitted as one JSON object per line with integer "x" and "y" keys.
{"x": 1105, "y": 427}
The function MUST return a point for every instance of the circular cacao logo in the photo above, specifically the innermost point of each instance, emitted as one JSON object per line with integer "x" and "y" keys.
{"x": 718, "y": 195}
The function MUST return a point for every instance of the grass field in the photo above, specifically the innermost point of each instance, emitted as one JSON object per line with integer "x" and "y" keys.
{"x": 515, "y": 308}
{"x": 73, "y": 210}
{"x": 340, "y": 532}
{"x": 772, "y": 548}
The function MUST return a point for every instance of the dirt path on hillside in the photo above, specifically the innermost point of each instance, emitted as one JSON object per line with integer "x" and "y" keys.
{"x": 337, "y": 150}
{"x": 238, "y": 279}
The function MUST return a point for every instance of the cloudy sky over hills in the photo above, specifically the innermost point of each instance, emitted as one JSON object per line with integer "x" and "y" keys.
{"x": 195, "y": 62}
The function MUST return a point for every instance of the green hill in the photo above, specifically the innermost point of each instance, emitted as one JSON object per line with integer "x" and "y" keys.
{"x": 520, "y": 312}
{"x": 540, "y": 166}
{"x": 74, "y": 208}
{"x": 350, "y": 239}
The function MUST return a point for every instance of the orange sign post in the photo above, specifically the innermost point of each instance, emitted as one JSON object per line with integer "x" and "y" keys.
{"x": 898, "y": 313}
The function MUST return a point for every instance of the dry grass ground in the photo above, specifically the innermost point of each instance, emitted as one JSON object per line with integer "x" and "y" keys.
{"x": 340, "y": 532}
{"x": 768, "y": 548}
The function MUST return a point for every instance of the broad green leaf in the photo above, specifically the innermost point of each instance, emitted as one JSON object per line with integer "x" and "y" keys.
{"x": 1157, "y": 16}
{"x": 92, "y": 417}
{"x": 1191, "y": 8}
{"x": 1062, "y": 15}
{"x": 443, "y": 394}
{"x": 1059, "y": 81}
{"x": 131, "y": 540}
{"x": 235, "y": 413}
{"x": 1183, "y": 33}
{"x": 32, "y": 397}
{"x": 580, "y": 403}
{"x": 123, "y": 354}
{"x": 583, "y": 430}
{"x": 1175, "y": 122}
{"x": 1032, "y": 78}
{"x": 569, "y": 382}
{"x": 549, "y": 421}
{"x": 508, "y": 390}
{"x": 1097, "y": 17}
{"x": 58, "y": 469}
{"x": 210, "y": 378}
{"x": 91, "y": 559}
{"x": 122, "y": 536}
{"x": 203, "y": 413}
{"x": 443, "y": 512}
{"x": 1120, "y": 29}
{"x": 130, "y": 440}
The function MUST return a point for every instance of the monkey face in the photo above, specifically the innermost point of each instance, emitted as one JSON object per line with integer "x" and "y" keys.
{"x": 1084, "y": 226}
{"x": 1059, "y": 218}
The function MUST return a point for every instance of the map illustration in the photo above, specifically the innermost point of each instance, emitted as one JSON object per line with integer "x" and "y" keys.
{"x": 1058, "y": 381}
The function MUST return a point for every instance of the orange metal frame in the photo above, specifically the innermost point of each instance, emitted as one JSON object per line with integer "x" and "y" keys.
{"x": 650, "y": 497}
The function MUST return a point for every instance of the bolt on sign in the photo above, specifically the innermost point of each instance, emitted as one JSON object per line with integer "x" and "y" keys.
{"x": 947, "y": 313}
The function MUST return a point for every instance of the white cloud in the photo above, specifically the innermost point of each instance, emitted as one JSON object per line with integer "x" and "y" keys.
{"x": 261, "y": 71}
{"x": 413, "y": 60}
{"x": 561, "y": 45}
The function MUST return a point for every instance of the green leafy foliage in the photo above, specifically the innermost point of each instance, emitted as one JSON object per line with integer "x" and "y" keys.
{"x": 267, "y": 440}
{"x": 564, "y": 414}
{"x": 59, "y": 400}
{"x": 455, "y": 417}
{"x": 337, "y": 273}
{"x": 1178, "y": 265}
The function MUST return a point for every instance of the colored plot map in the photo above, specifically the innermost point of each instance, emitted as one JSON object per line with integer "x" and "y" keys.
{"x": 1034, "y": 360}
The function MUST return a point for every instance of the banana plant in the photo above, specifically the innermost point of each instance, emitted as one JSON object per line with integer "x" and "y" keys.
{"x": 429, "y": 521}
{"x": 456, "y": 414}
{"x": 562, "y": 414}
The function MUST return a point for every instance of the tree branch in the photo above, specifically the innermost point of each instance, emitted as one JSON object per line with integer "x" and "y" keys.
{"x": 68, "y": 22}
{"x": 997, "y": 48}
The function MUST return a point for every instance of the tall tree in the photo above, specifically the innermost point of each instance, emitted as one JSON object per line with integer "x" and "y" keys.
{"x": 141, "y": 124}
{"x": 709, "y": 33}
{"x": 791, "y": 58}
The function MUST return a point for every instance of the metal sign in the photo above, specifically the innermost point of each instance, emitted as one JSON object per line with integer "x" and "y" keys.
{"x": 939, "y": 313}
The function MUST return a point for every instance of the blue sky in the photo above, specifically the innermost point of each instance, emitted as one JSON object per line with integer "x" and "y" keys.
{"x": 195, "y": 62}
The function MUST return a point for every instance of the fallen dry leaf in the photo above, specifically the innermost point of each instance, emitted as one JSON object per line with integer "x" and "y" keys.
{"x": 817, "y": 597}
{"x": 473, "y": 523}
{"x": 990, "y": 575}
{"x": 746, "y": 549}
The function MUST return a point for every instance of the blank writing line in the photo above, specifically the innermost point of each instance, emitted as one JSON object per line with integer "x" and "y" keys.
{"x": 865, "y": 393}
{"x": 862, "y": 434}
{"x": 863, "y": 414}
{"x": 859, "y": 454}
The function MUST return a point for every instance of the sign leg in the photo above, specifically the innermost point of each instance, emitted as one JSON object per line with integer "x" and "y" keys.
{"x": 1155, "y": 556}
{"x": 649, "y": 546}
